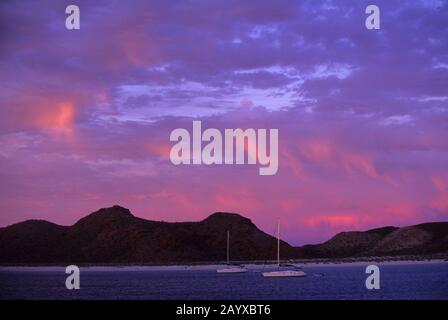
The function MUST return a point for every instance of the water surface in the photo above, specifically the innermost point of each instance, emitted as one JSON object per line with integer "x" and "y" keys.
{"x": 347, "y": 281}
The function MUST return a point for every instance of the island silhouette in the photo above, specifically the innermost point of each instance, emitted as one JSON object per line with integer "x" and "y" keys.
{"x": 114, "y": 235}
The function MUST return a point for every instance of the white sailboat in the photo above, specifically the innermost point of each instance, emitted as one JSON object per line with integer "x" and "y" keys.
{"x": 231, "y": 268}
{"x": 291, "y": 272}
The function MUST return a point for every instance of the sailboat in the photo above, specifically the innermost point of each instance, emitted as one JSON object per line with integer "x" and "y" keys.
{"x": 231, "y": 268}
{"x": 292, "y": 270}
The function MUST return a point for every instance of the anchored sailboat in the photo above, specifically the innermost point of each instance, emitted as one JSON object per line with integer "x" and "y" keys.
{"x": 231, "y": 268}
{"x": 292, "y": 270}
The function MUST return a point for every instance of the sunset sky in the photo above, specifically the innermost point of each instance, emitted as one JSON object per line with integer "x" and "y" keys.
{"x": 85, "y": 115}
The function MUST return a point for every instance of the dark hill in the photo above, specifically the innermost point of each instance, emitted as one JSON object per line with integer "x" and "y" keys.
{"x": 31, "y": 241}
{"x": 114, "y": 235}
{"x": 420, "y": 239}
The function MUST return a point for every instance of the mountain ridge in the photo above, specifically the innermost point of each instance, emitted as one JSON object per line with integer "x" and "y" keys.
{"x": 115, "y": 235}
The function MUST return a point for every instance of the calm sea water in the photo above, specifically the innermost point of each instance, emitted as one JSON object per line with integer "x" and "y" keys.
{"x": 398, "y": 281}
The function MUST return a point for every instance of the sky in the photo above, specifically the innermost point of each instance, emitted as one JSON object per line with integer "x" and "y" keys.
{"x": 86, "y": 115}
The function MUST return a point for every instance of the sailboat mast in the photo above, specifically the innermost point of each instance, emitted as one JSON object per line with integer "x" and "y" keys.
{"x": 278, "y": 243}
{"x": 228, "y": 247}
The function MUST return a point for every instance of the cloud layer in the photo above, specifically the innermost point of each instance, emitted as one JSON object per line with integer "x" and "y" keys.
{"x": 85, "y": 115}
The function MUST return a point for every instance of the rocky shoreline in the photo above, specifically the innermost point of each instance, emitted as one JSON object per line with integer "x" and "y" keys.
{"x": 441, "y": 257}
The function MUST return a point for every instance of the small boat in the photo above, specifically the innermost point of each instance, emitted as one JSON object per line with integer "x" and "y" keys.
{"x": 231, "y": 268}
{"x": 283, "y": 270}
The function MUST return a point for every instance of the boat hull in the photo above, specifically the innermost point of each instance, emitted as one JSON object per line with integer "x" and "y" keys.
{"x": 232, "y": 270}
{"x": 283, "y": 274}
